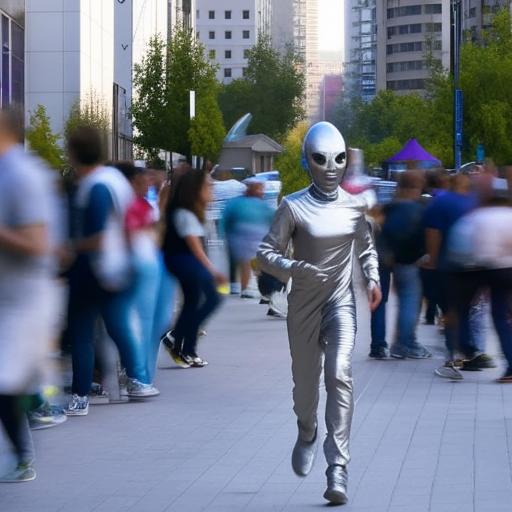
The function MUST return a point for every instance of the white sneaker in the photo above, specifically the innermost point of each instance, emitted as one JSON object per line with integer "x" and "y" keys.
{"x": 79, "y": 406}
{"x": 249, "y": 294}
{"x": 448, "y": 371}
{"x": 22, "y": 473}
{"x": 136, "y": 389}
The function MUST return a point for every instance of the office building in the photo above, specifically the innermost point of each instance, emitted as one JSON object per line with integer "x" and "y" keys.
{"x": 83, "y": 51}
{"x": 478, "y": 14}
{"x": 361, "y": 48}
{"x": 12, "y": 37}
{"x": 229, "y": 29}
{"x": 410, "y": 33}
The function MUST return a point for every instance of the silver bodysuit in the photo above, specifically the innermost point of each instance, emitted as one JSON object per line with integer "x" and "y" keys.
{"x": 326, "y": 230}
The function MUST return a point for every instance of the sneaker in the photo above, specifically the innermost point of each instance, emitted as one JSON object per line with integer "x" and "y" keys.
{"x": 137, "y": 389}
{"x": 264, "y": 301}
{"x": 448, "y": 371}
{"x": 379, "y": 353}
{"x": 418, "y": 352}
{"x": 79, "y": 406}
{"x": 398, "y": 352}
{"x": 22, "y": 473}
{"x": 175, "y": 355}
{"x": 46, "y": 416}
{"x": 506, "y": 378}
{"x": 276, "y": 314}
{"x": 198, "y": 362}
{"x": 477, "y": 363}
{"x": 249, "y": 294}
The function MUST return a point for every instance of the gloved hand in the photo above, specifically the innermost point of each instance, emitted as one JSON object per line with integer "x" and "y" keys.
{"x": 308, "y": 273}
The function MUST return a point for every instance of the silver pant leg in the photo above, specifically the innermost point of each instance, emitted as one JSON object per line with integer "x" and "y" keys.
{"x": 338, "y": 337}
{"x": 306, "y": 352}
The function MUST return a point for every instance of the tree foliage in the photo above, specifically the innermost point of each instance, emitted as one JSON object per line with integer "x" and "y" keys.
{"x": 272, "y": 90}
{"x": 486, "y": 78}
{"x": 293, "y": 176}
{"x": 161, "y": 106}
{"x": 42, "y": 140}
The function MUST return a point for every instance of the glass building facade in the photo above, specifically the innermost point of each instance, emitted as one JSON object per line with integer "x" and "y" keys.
{"x": 12, "y": 67}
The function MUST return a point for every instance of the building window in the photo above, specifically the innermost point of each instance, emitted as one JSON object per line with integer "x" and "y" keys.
{"x": 211, "y": 34}
{"x": 411, "y": 65}
{"x": 246, "y": 15}
{"x": 197, "y": 13}
{"x": 415, "y": 28}
{"x": 227, "y": 15}
{"x": 403, "y": 29}
{"x": 406, "y": 85}
{"x": 246, "y": 34}
{"x": 227, "y": 34}
{"x": 405, "y": 47}
{"x": 433, "y": 9}
{"x": 212, "y": 54}
{"x": 246, "y": 53}
{"x": 433, "y": 27}
{"x": 211, "y": 15}
{"x": 227, "y": 54}
{"x": 198, "y": 34}
{"x": 409, "y": 10}
{"x": 227, "y": 72}
{"x": 244, "y": 71}
{"x": 472, "y": 12}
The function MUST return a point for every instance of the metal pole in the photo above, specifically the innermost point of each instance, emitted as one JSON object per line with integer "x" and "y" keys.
{"x": 458, "y": 107}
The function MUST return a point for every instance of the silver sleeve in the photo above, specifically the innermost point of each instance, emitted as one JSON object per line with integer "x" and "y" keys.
{"x": 273, "y": 249}
{"x": 366, "y": 252}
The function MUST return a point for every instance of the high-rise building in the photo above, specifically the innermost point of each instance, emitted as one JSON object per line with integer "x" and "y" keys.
{"x": 295, "y": 23}
{"x": 410, "y": 35}
{"x": 12, "y": 66}
{"x": 478, "y": 14}
{"x": 229, "y": 29}
{"x": 361, "y": 48}
{"x": 81, "y": 51}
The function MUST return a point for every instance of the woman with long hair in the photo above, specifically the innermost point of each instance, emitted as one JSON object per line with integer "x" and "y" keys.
{"x": 186, "y": 259}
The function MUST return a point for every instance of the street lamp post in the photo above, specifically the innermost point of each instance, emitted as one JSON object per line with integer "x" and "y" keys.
{"x": 458, "y": 107}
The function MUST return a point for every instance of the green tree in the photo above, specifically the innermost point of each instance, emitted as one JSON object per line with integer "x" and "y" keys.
{"x": 42, "y": 140}
{"x": 149, "y": 107}
{"x": 293, "y": 175}
{"x": 187, "y": 70}
{"x": 272, "y": 91}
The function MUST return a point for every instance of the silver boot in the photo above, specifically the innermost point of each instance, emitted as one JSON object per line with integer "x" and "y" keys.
{"x": 337, "y": 480}
{"x": 303, "y": 455}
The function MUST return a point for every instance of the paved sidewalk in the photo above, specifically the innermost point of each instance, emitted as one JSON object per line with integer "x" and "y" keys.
{"x": 219, "y": 439}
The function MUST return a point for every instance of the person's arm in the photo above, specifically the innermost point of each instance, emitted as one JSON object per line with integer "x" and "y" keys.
{"x": 31, "y": 240}
{"x": 368, "y": 260}
{"x": 433, "y": 239}
{"x": 196, "y": 247}
{"x": 95, "y": 219}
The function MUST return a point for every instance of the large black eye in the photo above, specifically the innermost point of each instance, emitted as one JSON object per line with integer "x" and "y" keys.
{"x": 340, "y": 158}
{"x": 319, "y": 159}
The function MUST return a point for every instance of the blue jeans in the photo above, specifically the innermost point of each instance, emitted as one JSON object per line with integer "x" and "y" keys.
{"x": 87, "y": 303}
{"x": 408, "y": 288}
{"x": 200, "y": 299}
{"x": 153, "y": 303}
{"x": 378, "y": 321}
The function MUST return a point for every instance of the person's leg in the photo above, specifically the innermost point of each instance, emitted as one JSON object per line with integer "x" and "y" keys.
{"x": 82, "y": 316}
{"x": 245, "y": 274}
{"x": 146, "y": 293}
{"x": 408, "y": 287}
{"x": 163, "y": 316}
{"x": 501, "y": 308}
{"x": 14, "y": 419}
{"x": 338, "y": 337}
{"x": 211, "y": 301}
{"x": 378, "y": 318}
{"x": 121, "y": 323}
{"x": 476, "y": 337}
{"x": 428, "y": 285}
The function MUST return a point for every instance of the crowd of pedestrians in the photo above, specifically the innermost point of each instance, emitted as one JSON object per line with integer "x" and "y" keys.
{"x": 107, "y": 248}
{"x": 442, "y": 239}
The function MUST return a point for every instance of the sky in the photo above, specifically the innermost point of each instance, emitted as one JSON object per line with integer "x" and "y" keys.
{"x": 331, "y": 25}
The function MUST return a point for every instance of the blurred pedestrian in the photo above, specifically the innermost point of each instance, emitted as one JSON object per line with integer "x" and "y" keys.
{"x": 246, "y": 220}
{"x": 100, "y": 278}
{"x": 401, "y": 245}
{"x": 153, "y": 287}
{"x": 27, "y": 296}
{"x": 186, "y": 259}
{"x": 441, "y": 215}
{"x": 481, "y": 252}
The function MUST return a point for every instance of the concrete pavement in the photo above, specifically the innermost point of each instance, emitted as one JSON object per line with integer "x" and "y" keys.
{"x": 219, "y": 439}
